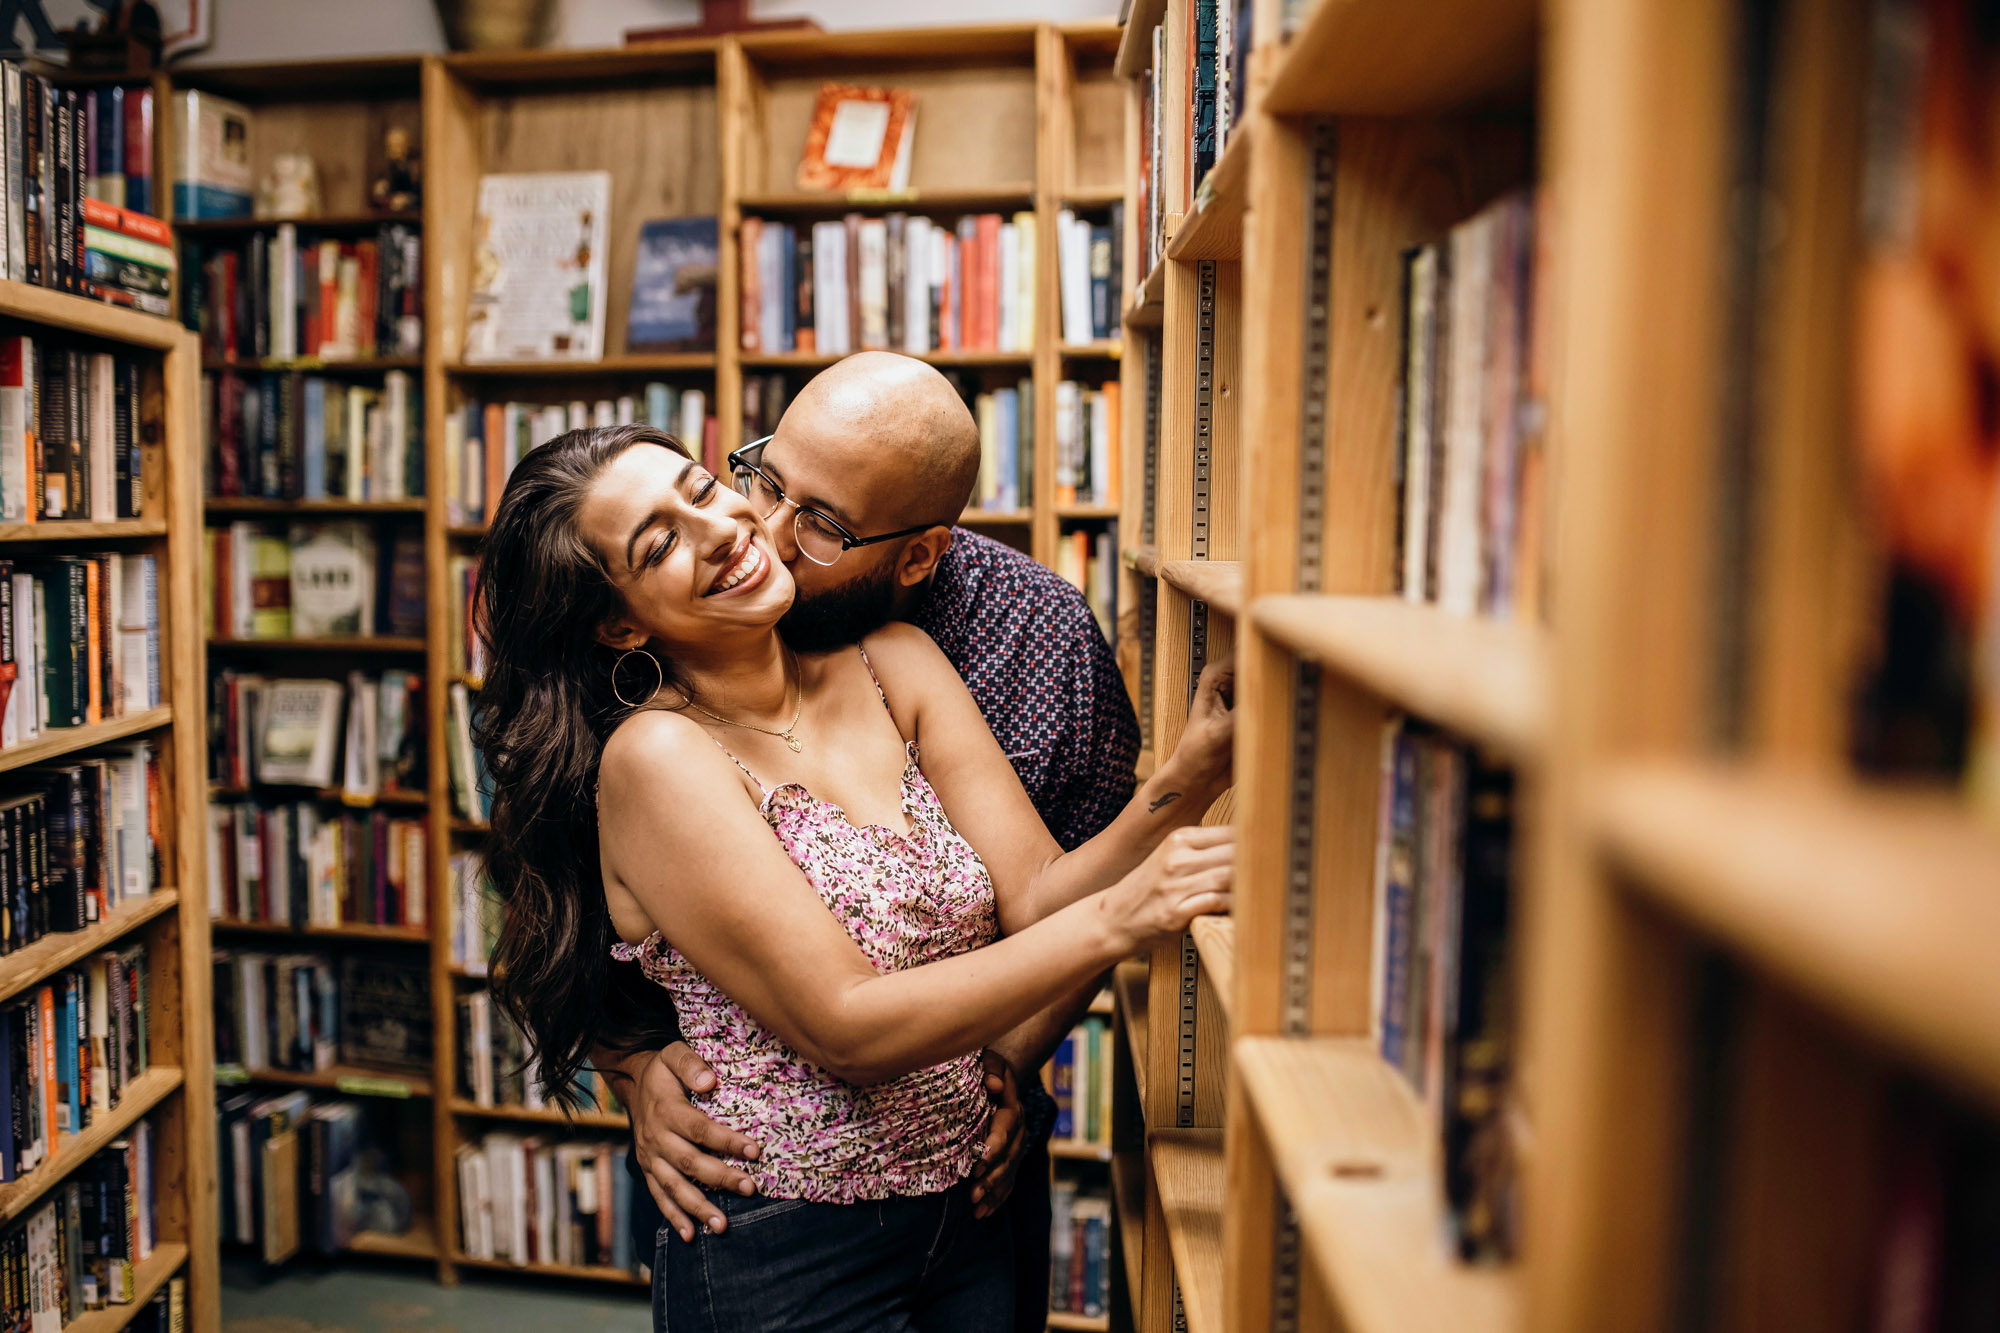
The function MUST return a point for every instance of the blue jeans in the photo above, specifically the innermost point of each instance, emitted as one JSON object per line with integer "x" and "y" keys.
{"x": 903, "y": 1265}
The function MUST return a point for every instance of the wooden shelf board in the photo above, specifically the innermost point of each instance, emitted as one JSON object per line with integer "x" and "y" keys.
{"x": 1147, "y": 307}
{"x": 1135, "y": 43}
{"x": 354, "y": 222}
{"x": 617, "y": 1275}
{"x": 1483, "y": 678}
{"x": 1104, "y": 349}
{"x": 1008, "y": 196}
{"x": 1128, "y": 1195}
{"x": 995, "y": 518}
{"x": 1143, "y": 560}
{"x": 539, "y": 1115}
{"x": 629, "y": 363}
{"x": 354, "y": 1080}
{"x": 502, "y": 71}
{"x": 1102, "y": 1004}
{"x": 378, "y": 643}
{"x": 348, "y": 931}
{"x": 141, "y": 1095}
{"x": 1128, "y": 983}
{"x": 151, "y": 1274}
{"x": 1378, "y": 58}
{"x": 93, "y": 319}
{"x": 470, "y": 827}
{"x": 1082, "y": 511}
{"x": 1217, "y": 582}
{"x": 403, "y": 800}
{"x": 419, "y": 1242}
{"x": 59, "y": 741}
{"x": 1879, "y": 904}
{"x": 52, "y": 953}
{"x": 1215, "y": 229}
{"x": 467, "y": 531}
{"x": 1215, "y": 941}
{"x": 312, "y": 365}
{"x": 1079, "y": 1152}
{"x": 233, "y": 504}
{"x": 816, "y": 360}
{"x": 1063, "y": 1319}
{"x": 1188, "y": 1175}
{"x": 66, "y": 530}
{"x": 1354, "y": 1153}
{"x": 1086, "y": 198}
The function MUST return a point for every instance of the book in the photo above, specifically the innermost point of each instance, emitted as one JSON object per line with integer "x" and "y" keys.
{"x": 674, "y": 286}
{"x": 212, "y": 175}
{"x": 332, "y": 570}
{"x": 859, "y": 139}
{"x": 538, "y": 267}
{"x": 301, "y": 732}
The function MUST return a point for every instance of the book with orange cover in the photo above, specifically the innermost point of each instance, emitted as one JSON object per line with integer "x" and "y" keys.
{"x": 859, "y": 139}
{"x": 752, "y": 240}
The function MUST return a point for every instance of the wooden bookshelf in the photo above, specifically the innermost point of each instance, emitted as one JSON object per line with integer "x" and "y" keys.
{"x": 176, "y": 1093}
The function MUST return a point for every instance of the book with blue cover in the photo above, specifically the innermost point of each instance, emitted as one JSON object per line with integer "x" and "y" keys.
{"x": 673, "y": 286}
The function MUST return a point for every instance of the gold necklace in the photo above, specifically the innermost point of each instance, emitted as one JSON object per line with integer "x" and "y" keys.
{"x": 789, "y": 734}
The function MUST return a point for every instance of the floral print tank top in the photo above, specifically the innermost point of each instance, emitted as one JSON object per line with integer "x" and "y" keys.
{"x": 906, "y": 899}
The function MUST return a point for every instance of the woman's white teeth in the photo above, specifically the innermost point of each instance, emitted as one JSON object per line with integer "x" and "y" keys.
{"x": 749, "y": 563}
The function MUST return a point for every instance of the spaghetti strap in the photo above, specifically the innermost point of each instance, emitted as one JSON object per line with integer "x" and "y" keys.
{"x": 762, "y": 790}
{"x": 879, "y": 693}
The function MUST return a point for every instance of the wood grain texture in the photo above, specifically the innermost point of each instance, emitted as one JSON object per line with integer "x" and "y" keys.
{"x": 1354, "y": 1154}
{"x": 1187, "y": 1168}
{"x": 1485, "y": 679}
{"x": 1216, "y": 582}
{"x": 52, "y": 953}
{"x": 1215, "y": 941}
{"x": 1876, "y": 904}
{"x": 1378, "y": 58}
{"x": 141, "y": 1095}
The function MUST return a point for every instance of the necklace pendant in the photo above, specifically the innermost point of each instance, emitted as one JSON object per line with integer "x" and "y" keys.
{"x": 792, "y": 741}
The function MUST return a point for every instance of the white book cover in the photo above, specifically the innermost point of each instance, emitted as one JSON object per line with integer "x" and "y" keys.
{"x": 602, "y": 414}
{"x": 362, "y": 778}
{"x": 626, "y": 411}
{"x": 830, "y": 288}
{"x": 917, "y": 286}
{"x": 538, "y": 267}
{"x": 31, "y": 601}
{"x": 1464, "y": 441}
{"x": 694, "y": 415}
{"x": 135, "y": 869}
{"x": 1010, "y": 281}
{"x": 284, "y": 313}
{"x": 416, "y": 855}
{"x": 17, "y": 248}
{"x": 579, "y": 416}
{"x": 359, "y": 404}
{"x": 396, "y": 432}
{"x": 874, "y": 277}
{"x": 301, "y": 735}
{"x": 772, "y": 293}
{"x": 136, "y": 652}
{"x": 1066, "y": 273}
{"x": 1417, "y": 418}
{"x": 1024, "y": 282}
{"x": 16, "y": 401}
{"x": 103, "y": 384}
{"x": 333, "y": 580}
{"x": 218, "y": 833}
{"x": 1100, "y": 449}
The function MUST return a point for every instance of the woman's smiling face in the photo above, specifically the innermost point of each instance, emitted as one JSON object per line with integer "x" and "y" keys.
{"x": 688, "y": 554}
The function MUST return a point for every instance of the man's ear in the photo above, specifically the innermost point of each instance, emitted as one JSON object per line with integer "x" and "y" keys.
{"x": 921, "y": 556}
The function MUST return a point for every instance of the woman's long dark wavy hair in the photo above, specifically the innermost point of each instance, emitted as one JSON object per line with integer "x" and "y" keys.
{"x": 543, "y": 714}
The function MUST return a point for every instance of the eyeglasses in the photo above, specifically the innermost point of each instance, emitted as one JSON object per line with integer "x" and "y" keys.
{"x": 820, "y": 538}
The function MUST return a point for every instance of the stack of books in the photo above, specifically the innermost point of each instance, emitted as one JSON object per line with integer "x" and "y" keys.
{"x": 72, "y": 432}
{"x": 277, "y": 297}
{"x": 904, "y": 283}
{"x": 1089, "y": 267}
{"x": 300, "y": 865}
{"x": 533, "y": 1200}
{"x": 483, "y": 441}
{"x": 1442, "y": 986}
{"x": 281, "y": 437}
{"x": 1087, "y": 426}
{"x": 128, "y": 258}
{"x": 79, "y": 642}
{"x": 312, "y": 581}
{"x": 1079, "y": 1251}
{"x": 68, "y": 1050}
{"x": 1469, "y": 455}
{"x": 81, "y": 1248}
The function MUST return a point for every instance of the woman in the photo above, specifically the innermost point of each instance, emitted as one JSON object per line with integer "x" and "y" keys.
{"x": 647, "y": 733}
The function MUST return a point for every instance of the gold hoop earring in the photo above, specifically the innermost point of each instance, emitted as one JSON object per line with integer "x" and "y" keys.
{"x": 661, "y": 684}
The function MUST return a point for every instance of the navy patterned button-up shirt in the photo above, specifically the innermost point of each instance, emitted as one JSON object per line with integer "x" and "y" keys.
{"x": 1038, "y": 667}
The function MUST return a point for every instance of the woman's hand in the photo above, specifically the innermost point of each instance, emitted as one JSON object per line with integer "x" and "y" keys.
{"x": 1201, "y": 759}
{"x": 1189, "y": 874}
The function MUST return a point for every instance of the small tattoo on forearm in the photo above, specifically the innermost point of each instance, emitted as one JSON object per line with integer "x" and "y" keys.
{"x": 1163, "y": 803}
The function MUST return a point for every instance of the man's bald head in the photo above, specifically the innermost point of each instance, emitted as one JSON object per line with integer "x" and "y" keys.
{"x": 896, "y": 423}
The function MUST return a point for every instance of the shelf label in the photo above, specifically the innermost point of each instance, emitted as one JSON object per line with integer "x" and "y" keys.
{"x": 231, "y": 1075}
{"x": 908, "y": 196}
{"x": 362, "y": 1086}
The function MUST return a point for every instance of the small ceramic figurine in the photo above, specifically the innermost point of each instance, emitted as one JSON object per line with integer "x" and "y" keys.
{"x": 291, "y": 189}
{"x": 400, "y": 186}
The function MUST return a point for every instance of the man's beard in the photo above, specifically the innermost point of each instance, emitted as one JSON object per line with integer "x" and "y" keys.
{"x": 842, "y": 615}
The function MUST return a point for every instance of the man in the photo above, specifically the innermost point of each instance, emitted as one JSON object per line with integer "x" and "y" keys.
{"x": 875, "y": 460}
